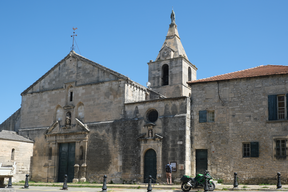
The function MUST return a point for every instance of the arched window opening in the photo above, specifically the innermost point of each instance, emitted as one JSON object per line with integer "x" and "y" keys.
{"x": 13, "y": 154}
{"x": 80, "y": 111}
{"x": 59, "y": 113}
{"x": 165, "y": 74}
{"x": 50, "y": 153}
{"x": 189, "y": 74}
{"x": 81, "y": 157}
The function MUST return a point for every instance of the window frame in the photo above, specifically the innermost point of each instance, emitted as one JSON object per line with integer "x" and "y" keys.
{"x": 253, "y": 148}
{"x": 210, "y": 116}
{"x": 278, "y": 110}
{"x": 244, "y": 146}
{"x": 281, "y": 156}
{"x": 206, "y": 116}
{"x": 273, "y": 108}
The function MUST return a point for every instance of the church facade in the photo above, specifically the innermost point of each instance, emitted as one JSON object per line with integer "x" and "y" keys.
{"x": 87, "y": 121}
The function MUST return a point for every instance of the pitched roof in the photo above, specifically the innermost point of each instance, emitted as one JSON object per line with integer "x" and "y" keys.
{"x": 262, "y": 70}
{"x": 12, "y": 135}
{"x": 74, "y": 54}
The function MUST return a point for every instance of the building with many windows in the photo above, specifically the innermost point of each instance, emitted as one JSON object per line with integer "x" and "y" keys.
{"x": 240, "y": 123}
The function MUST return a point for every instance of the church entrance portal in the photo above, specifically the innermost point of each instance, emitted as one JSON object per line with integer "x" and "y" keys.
{"x": 150, "y": 163}
{"x": 201, "y": 160}
{"x": 66, "y": 161}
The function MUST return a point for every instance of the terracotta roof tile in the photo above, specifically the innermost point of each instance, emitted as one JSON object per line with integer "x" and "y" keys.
{"x": 262, "y": 70}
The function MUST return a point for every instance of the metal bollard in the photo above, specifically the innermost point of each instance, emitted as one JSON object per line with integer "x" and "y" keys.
{"x": 235, "y": 181}
{"x": 65, "y": 187}
{"x": 149, "y": 188}
{"x": 279, "y": 186}
{"x": 206, "y": 189}
{"x": 26, "y": 186}
{"x": 104, "y": 188}
{"x": 10, "y": 183}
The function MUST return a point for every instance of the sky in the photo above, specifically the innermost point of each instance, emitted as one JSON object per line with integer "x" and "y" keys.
{"x": 219, "y": 36}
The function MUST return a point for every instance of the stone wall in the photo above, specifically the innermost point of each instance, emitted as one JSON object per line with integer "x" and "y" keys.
{"x": 12, "y": 123}
{"x": 134, "y": 92}
{"x": 173, "y": 124}
{"x": 40, "y": 154}
{"x": 101, "y": 102}
{"x": 114, "y": 147}
{"x": 241, "y": 116}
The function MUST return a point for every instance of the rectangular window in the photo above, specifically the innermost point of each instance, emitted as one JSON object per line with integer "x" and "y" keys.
{"x": 246, "y": 149}
{"x": 210, "y": 116}
{"x": 281, "y": 148}
{"x": 251, "y": 149}
{"x": 206, "y": 116}
{"x": 71, "y": 96}
{"x": 281, "y": 106}
{"x": 277, "y": 107}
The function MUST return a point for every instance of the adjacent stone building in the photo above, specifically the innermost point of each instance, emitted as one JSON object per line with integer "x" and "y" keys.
{"x": 16, "y": 150}
{"x": 88, "y": 121}
{"x": 239, "y": 124}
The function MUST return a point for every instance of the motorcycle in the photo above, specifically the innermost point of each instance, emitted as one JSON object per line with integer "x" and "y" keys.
{"x": 198, "y": 181}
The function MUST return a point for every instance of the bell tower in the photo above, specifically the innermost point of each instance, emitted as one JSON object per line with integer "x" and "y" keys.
{"x": 171, "y": 70}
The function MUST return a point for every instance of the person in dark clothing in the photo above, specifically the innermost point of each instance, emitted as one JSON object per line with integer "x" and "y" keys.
{"x": 168, "y": 169}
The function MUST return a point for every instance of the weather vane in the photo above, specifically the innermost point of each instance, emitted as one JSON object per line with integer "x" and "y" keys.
{"x": 73, "y": 37}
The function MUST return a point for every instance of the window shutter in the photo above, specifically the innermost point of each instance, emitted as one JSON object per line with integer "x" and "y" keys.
{"x": 287, "y": 105}
{"x": 272, "y": 107}
{"x": 202, "y": 116}
{"x": 254, "y": 149}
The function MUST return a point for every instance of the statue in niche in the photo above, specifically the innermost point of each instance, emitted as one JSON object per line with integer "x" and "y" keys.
{"x": 150, "y": 133}
{"x": 68, "y": 119}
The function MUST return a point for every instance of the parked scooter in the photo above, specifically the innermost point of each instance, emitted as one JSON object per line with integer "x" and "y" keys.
{"x": 198, "y": 181}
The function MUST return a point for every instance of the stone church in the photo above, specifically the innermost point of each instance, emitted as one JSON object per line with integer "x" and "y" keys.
{"x": 87, "y": 121}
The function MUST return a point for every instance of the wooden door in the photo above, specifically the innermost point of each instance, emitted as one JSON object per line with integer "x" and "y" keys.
{"x": 66, "y": 161}
{"x": 150, "y": 163}
{"x": 201, "y": 161}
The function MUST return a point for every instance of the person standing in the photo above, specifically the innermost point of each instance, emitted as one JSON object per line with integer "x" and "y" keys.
{"x": 168, "y": 169}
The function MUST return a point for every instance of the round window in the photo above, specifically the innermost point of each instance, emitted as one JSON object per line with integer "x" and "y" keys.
{"x": 152, "y": 115}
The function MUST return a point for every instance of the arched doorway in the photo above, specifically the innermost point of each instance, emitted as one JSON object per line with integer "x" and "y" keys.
{"x": 150, "y": 163}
